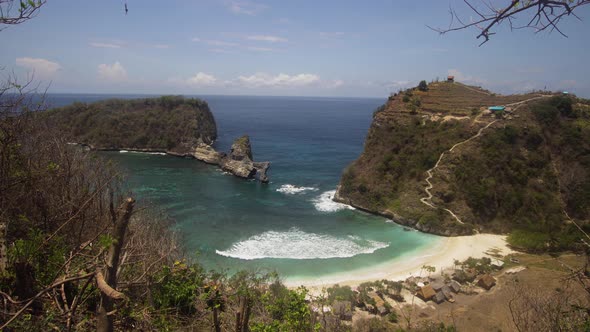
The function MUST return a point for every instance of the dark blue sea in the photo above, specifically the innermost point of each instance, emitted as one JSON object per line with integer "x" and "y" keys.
{"x": 290, "y": 225}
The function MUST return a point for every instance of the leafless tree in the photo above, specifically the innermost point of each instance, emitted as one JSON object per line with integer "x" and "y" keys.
{"x": 540, "y": 15}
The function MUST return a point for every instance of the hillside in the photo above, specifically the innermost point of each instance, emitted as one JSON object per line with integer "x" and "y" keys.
{"x": 516, "y": 171}
{"x": 168, "y": 123}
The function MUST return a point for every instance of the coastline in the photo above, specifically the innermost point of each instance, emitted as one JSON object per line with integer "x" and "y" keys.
{"x": 441, "y": 256}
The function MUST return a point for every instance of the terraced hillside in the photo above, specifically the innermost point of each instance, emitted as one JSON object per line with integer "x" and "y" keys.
{"x": 486, "y": 172}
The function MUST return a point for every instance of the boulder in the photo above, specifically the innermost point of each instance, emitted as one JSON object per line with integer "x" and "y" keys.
{"x": 207, "y": 153}
{"x": 239, "y": 161}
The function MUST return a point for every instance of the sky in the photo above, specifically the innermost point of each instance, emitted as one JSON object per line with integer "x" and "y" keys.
{"x": 283, "y": 48}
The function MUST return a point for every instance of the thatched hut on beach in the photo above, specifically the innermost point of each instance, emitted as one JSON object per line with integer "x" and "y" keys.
{"x": 486, "y": 281}
{"x": 426, "y": 293}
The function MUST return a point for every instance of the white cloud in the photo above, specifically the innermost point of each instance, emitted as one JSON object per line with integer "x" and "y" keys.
{"x": 260, "y": 49}
{"x": 280, "y": 80}
{"x": 266, "y": 38}
{"x": 201, "y": 78}
{"x": 334, "y": 84}
{"x": 219, "y": 50}
{"x": 245, "y": 7}
{"x": 41, "y": 67}
{"x": 330, "y": 35}
{"x": 461, "y": 77}
{"x": 282, "y": 20}
{"x": 105, "y": 45}
{"x": 115, "y": 72}
{"x": 214, "y": 42}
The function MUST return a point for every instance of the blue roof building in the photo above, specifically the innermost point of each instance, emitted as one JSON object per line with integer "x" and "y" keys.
{"x": 497, "y": 108}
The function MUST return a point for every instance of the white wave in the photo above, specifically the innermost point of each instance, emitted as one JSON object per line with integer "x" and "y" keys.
{"x": 147, "y": 152}
{"x": 296, "y": 244}
{"x": 325, "y": 203}
{"x": 291, "y": 189}
{"x": 123, "y": 151}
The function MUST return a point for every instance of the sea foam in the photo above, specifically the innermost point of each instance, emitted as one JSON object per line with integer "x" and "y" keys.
{"x": 296, "y": 244}
{"x": 325, "y": 203}
{"x": 290, "y": 189}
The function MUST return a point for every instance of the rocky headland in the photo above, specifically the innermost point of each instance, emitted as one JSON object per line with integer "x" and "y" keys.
{"x": 442, "y": 160}
{"x": 238, "y": 162}
{"x": 173, "y": 125}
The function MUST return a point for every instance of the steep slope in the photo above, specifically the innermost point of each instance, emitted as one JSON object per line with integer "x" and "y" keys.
{"x": 171, "y": 124}
{"x": 515, "y": 171}
{"x": 168, "y": 123}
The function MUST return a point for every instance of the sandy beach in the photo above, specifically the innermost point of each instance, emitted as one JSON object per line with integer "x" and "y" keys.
{"x": 441, "y": 256}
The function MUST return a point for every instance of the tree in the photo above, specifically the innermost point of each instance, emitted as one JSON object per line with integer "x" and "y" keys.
{"x": 423, "y": 86}
{"x": 15, "y": 12}
{"x": 543, "y": 15}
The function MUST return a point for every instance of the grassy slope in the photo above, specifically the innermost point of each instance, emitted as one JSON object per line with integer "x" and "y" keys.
{"x": 165, "y": 123}
{"x": 501, "y": 181}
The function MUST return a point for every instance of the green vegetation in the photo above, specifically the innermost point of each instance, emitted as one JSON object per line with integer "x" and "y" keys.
{"x": 423, "y": 86}
{"x": 62, "y": 217}
{"x": 517, "y": 177}
{"x": 167, "y": 123}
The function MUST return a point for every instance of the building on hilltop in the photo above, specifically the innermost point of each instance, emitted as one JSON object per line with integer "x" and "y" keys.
{"x": 497, "y": 108}
{"x": 451, "y": 79}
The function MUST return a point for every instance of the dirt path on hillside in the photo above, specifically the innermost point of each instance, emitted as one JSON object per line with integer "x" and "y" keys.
{"x": 428, "y": 199}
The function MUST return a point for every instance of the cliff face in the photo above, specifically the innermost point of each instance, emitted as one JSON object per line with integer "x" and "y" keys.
{"x": 239, "y": 161}
{"x": 440, "y": 162}
{"x": 171, "y": 124}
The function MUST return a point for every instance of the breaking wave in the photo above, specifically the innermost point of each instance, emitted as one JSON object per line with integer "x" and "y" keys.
{"x": 290, "y": 189}
{"x": 325, "y": 203}
{"x": 296, "y": 244}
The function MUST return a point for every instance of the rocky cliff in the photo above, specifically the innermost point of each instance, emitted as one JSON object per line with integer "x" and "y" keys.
{"x": 239, "y": 161}
{"x": 441, "y": 162}
{"x": 170, "y": 124}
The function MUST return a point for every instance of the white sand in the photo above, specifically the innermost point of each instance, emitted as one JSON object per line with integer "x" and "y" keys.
{"x": 441, "y": 256}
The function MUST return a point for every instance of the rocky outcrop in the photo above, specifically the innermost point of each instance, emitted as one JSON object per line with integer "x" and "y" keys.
{"x": 239, "y": 161}
{"x": 171, "y": 125}
{"x": 206, "y": 153}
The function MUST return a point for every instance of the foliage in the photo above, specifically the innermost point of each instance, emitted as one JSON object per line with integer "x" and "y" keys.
{"x": 288, "y": 310}
{"x": 166, "y": 123}
{"x": 423, "y": 86}
{"x": 177, "y": 287}
{"x": 481, "y": 265}
{"x": 341, "y": 293}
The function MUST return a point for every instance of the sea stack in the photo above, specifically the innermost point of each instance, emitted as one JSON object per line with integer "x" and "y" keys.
{"x": 239, "y": 161}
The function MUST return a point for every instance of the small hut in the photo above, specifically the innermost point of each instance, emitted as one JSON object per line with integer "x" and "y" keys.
{"x": 486, "y": 281}
{"x": 439, "y": 298}
{"x": 495, "y": 109}
{"x": 426, "y": 293}
{"x": 450, "y": 79}
{"x": 455, "y": 286}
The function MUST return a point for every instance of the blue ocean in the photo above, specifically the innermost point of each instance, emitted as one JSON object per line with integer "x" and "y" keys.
{"x": 289, "y": 225}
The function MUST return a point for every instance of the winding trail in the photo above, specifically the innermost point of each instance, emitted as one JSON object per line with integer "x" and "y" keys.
{"x": 428, "y": 199}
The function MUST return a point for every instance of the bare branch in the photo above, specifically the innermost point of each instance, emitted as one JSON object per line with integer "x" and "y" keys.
{"x": 545, "y": 15}
{"x": 15, "y": 12}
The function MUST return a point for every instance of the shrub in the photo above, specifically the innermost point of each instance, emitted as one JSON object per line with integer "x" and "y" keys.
{"x": 529, "y": 240}
{"x": 423, "y": 86}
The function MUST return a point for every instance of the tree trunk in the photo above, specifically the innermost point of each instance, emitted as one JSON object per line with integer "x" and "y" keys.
{"x": 216, "y": 321}
{"x": 3, "y": 232}
{"x": 121, "y": 221}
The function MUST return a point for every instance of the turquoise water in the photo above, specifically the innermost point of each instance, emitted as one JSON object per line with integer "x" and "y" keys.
{"x": 289, "y": 225}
